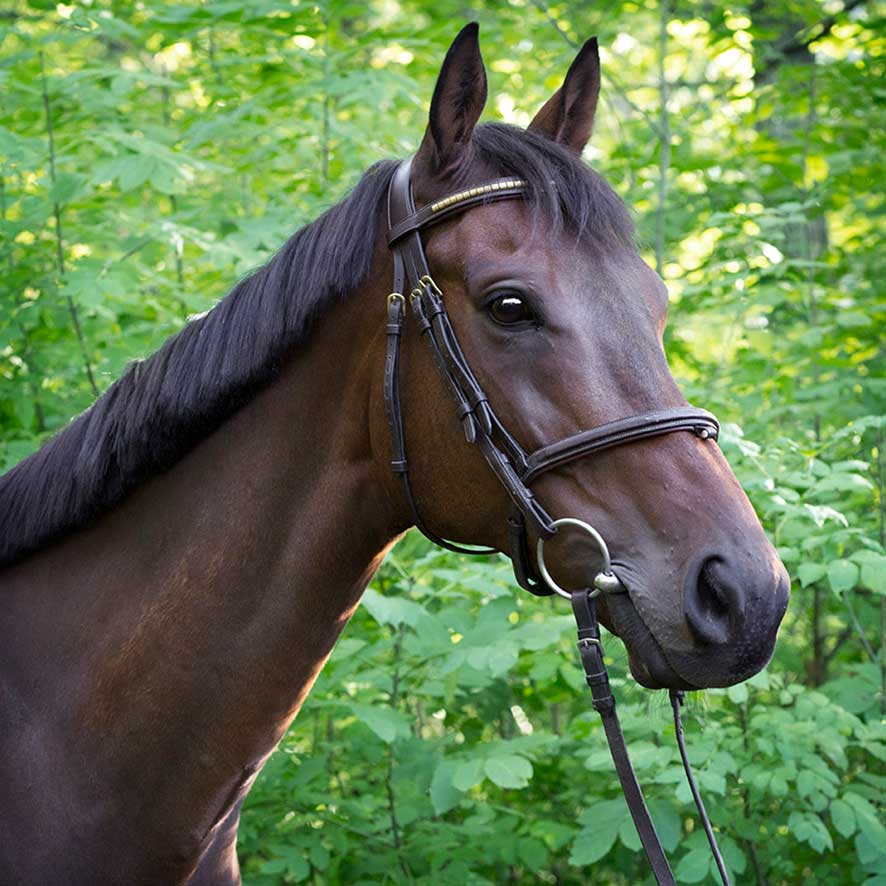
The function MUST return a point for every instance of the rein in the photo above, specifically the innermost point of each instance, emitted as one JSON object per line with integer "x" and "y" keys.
{"x": 516, "y": 469}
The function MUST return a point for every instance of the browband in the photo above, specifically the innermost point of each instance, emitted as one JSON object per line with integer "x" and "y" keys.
{"x": 434, "y": 213}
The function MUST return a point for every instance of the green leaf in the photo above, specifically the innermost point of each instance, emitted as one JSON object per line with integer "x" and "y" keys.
{"x": 843, "y": 482}
{"x": 667, "y": 823}
{"x": 599, "y": 760}
{"x": 509, "y": 771}
{"x": 842, "y": 575}
{"x": 132, "y": 172}
{"x": 502, "y": 657}
{"x": 809, "y": 573}
{"x": 738, "y": 694}
{"x": 467, "y": 774}
{"x": 533, "y": 853}
{"x": 386, "y": 723}
{"x": 391, "y": 610}
{"x": 594, "y": 842}
{"x": 853, "y": 318}
{"x": 866, "y": 818}
{"x": 873, "y": 573}
{"x": 843, "y": 817}
{"x": 274, "y": 866}
{"x": 694, "y": 866}
{"x": 319, "y": 856}
{"x": 809, "y": 828}
{"x": 628, "y": 835}
{"x": 68, "y": 186}
{"x": 444, "y": 795}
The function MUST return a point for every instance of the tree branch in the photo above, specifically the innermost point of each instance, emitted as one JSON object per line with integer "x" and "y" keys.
{"x": 613, "y": 83}
{"x": 839, "y": 640}
{"x": 858, "y": 628}
{"x": 821, "y": 29}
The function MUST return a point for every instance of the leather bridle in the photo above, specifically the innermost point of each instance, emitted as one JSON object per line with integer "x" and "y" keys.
{"x": 513, "y": 466}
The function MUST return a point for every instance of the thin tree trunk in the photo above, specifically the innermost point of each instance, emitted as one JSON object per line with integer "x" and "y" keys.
{"x": 664, "y": 138}
{"x": 59, "y": 241}
{"x": 173, "y": 203}
{"x": 327, "y": 99}
{"x": 389, "y": 775}
{"x": 749, "y": 848}
{"x": 881, "y": 440}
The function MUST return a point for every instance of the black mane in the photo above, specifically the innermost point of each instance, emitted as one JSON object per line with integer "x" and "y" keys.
{"x": 162, "y": 406}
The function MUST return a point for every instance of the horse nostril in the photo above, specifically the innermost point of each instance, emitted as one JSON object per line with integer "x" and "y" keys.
{"x": 711, "y": 602}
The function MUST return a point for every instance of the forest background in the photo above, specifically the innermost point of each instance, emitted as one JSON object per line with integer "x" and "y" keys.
{"x": 153, "y": 153}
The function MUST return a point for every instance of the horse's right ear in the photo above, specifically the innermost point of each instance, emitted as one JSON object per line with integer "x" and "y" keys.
{"x": 458, "y": 101}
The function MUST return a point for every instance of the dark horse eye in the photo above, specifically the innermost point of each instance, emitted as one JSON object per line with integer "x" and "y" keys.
{"x": 509, "y": 309}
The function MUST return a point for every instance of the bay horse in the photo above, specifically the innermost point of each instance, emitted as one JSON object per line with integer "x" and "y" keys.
{"x": 179, "y": 561}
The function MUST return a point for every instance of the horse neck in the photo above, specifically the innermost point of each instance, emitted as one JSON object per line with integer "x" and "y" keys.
{"x": 173, "y": 641}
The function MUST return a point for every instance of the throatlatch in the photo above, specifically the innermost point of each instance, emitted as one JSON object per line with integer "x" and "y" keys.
{"x": 516, "y": 469}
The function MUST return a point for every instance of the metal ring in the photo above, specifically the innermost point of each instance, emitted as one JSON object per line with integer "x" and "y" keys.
{"x": 604, "y": 572}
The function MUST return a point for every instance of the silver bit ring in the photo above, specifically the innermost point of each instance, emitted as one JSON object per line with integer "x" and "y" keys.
{"x": 604, "y": 580}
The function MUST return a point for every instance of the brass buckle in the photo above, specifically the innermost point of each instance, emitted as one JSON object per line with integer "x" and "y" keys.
{"x": 428, "y": 281}
{"x": 393, "y": 297}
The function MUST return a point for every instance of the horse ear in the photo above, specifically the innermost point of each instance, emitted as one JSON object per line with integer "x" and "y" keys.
{"x": 458, "y": 101}
{"x": 568, "y": 115}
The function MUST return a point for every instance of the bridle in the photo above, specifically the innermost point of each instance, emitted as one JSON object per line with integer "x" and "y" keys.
{"x": 515, "y": 468}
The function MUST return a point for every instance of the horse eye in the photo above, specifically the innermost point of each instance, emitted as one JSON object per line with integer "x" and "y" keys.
{"x": 510, "y": 310}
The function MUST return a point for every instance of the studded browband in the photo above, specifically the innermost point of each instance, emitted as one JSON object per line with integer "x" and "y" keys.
{"x": 514, "y": 468}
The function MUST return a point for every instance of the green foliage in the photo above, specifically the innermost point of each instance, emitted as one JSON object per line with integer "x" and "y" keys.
{"x": 450, "y": 738}
{"x": 483, "y": 760}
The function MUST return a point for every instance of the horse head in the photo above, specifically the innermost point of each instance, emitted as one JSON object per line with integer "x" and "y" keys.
{"x": 561, "y": 321}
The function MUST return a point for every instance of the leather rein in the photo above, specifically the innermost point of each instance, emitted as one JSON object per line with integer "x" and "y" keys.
{"x": 516, "y": 469}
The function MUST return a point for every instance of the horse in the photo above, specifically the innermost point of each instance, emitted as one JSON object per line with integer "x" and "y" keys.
{"x": 178, "y": 562}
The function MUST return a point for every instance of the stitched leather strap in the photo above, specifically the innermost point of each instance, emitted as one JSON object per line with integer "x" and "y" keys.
{"x": 434, "y": 213}
{"x": 591, "y": 649}
{"x": 677, "y": 698}
{"x": 479, "y": 423}
{"x": 619, "y": 432}
{"x": 408, "y": 264}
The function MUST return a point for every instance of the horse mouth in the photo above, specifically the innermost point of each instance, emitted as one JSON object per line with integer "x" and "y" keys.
{"x": 647, "y": 660}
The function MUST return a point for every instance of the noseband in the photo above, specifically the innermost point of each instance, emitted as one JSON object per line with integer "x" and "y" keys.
{"x": 515, "y": 468}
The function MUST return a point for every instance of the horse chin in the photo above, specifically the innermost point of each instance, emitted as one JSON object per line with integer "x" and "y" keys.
{"x": 655, "y": 668}
{"x": 648, "y": 662}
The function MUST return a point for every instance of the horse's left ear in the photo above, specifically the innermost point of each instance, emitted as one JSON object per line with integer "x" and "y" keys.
{"x": 459, "y": 98}
{"x": 568, "y": 115}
